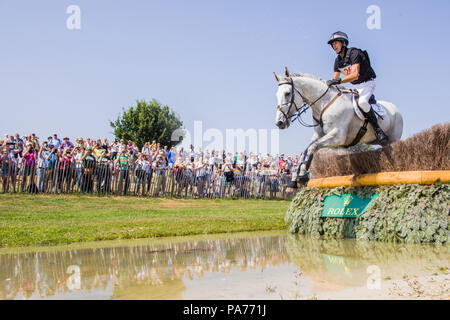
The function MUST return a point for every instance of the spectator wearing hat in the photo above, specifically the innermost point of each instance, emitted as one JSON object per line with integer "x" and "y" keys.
{"x": 66, "y": 143}
{"x": 79, "y": 143}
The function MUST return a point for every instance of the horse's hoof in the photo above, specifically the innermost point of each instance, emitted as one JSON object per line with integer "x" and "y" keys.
{"x": 292, "y": 184}
{"x": 303, "y": 179}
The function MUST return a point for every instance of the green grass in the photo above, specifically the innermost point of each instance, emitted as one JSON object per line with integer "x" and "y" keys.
{"x": 30, "y": 220}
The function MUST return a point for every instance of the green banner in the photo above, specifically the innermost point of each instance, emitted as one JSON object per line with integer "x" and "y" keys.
{"x": 345, "y": 206}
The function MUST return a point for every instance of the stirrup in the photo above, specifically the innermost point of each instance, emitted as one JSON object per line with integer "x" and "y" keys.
{"x": 382, "y": 138}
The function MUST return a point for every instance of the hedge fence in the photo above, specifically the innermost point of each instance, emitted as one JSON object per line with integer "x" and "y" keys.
{"x": 401, "y": 213}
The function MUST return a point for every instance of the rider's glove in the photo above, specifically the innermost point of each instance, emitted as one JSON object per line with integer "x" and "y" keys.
{"x": 333, "y": 82}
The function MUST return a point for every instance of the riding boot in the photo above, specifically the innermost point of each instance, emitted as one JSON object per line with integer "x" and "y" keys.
{"x": 381, "y": 136}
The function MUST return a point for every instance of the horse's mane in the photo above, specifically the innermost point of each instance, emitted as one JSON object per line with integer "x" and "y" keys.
{"x": 307, "y": 75}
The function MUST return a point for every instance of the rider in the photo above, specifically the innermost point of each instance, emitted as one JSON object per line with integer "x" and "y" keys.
{"x": 355, "y": 65}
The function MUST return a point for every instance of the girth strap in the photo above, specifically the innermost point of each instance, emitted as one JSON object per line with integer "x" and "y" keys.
{"x": 320, "y": 121}
{"x": 362, "y": 131}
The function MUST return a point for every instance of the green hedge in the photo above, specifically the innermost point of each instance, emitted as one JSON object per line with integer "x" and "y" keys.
{"x": 401, "y": 213}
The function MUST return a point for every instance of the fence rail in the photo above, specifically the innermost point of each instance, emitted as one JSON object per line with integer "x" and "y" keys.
{"x": 62, "y": 178}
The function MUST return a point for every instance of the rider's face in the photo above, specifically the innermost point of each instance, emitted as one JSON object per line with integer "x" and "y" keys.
{"x": 337, "y": 46}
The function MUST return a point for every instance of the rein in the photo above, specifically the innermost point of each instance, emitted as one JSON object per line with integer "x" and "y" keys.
{"x": 304, "y": 107}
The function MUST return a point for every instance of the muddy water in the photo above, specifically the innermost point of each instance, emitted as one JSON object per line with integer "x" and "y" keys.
{"x": 271, "y": 265}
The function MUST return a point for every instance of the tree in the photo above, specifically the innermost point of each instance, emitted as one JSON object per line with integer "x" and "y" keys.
{"x": 147, "y": 121}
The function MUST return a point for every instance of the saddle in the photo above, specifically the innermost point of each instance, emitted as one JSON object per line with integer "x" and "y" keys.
{"x": 378, "y": 110}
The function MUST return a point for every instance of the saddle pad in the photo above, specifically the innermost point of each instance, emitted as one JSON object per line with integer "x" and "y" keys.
{"x": 379, "y": 110}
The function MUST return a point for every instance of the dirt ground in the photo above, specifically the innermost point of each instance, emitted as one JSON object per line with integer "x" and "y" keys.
{"x": 424, "y": 287}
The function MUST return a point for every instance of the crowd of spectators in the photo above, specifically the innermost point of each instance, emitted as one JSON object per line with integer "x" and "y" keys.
{"x": 60, "y": 165}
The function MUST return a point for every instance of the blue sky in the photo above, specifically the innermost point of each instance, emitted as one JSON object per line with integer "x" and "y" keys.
{"x": 208, "y": 60}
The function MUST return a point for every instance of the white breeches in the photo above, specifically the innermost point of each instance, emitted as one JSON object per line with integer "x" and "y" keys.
{"x": 365, "y": 91}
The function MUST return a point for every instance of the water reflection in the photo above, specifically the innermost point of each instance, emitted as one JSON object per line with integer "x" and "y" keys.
{"x": 167, "y": 269}
{"x": 152, "y": 271}
{"x": 337, "y": 264}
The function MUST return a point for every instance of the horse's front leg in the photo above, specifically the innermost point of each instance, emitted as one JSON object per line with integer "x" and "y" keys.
{"x": 334, "y": 137}
{"x": 303, "y": 162}
{"x": 293, "y": 182}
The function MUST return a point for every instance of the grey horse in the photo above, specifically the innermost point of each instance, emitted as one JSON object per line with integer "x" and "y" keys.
{"x": 335, "y": 120}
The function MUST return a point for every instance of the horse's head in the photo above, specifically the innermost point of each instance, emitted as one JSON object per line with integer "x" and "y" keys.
{"x": 288, "y": 102}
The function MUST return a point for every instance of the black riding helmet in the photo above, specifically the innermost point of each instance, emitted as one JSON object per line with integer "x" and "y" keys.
{"x": 340, "y": 36}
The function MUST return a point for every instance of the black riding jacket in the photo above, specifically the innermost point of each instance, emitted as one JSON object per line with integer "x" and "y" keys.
{"x": 353, "y": 56}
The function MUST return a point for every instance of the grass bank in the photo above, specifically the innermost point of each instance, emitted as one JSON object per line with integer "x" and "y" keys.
{"x": 27, "y": 220}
